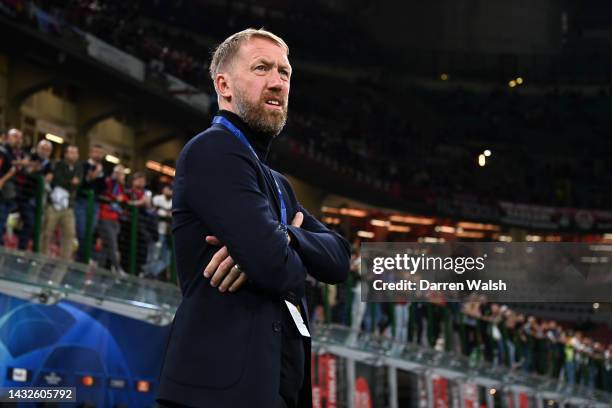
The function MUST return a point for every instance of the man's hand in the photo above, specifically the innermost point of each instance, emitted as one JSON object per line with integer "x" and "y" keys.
{"x": 297, "y": 222}
{"x": 222, "y": 267}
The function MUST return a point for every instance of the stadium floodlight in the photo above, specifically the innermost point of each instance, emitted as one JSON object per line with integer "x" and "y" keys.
{"x": 54, "y": 138}
{"x": 519, "y": 80}
{"x": 470, "y": 234}
{"x": 331, "y": 220}
{"x": 412, "y": 219}
{"x": 160, "y": 168}
{"x": 430, "y": 240}
{"x": 482, "y": 160}
{"x": 112, "y": 159}
{"x": 512, "y": 83}
{"x": 477, "y": 226}
{"x": 398, "y": 228}
{"x": 487, "y": 153}
{"x": 379, "y": 223}
{"x": 444, "y": 77}
{"x": 533, "y": 238}
{"x": 445, "y": 229}
{"x": 365, "y": 234}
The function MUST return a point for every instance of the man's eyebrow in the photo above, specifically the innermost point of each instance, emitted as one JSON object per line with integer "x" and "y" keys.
{"x": 266, "y": 61}
{"x": 263, "y": 60}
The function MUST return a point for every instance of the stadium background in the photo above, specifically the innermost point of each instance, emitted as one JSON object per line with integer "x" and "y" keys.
{"x": 409, "y": 121}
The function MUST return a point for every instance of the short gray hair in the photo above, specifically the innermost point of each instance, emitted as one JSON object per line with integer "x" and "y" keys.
{"x": 227, "y": 50}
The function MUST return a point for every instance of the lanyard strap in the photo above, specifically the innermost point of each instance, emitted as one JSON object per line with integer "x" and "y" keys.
{"x": 220, "y": 120}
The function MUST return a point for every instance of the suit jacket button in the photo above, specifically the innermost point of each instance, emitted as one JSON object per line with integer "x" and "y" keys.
{"x": 276, "y": 326}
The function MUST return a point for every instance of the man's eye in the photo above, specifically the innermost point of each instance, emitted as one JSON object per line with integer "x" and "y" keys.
{"x": 260, "y": 68}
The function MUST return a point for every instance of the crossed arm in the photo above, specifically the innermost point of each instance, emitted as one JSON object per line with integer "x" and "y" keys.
{"x": 249, "y": 234}
{"x": 222, "y": 269}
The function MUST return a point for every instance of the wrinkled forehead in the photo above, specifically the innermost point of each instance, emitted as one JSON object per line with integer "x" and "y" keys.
{"x": 257, "y": 47}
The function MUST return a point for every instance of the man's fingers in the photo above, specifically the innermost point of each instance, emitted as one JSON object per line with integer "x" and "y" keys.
{"x": 224, "y": 267}
{"x": 238, "y": 282}
{"x": 231, "y": 277}
{"x": 212, "y": 240}
{"x": 298, "y": 219}
{"x": 217, "y": 258}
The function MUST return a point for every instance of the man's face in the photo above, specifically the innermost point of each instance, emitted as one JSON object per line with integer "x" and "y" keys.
{"x": 15, "y": 139}
{"x": 167, "y": 191}
{"x": 96, "y": 154}
{"x": 119, "y": 174}
{"x": 139, "y": 183}
{"x": 72, "y": 154}
{"x": 44, "y": 149}
{"x": 260, "y": 76}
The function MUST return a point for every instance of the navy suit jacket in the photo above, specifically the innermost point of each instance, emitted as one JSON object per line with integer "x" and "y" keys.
{"x": 224, "y": 349}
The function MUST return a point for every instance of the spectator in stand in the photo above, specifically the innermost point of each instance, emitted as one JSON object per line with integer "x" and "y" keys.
{"x": 67, "y": 176}
{"x": 8, "y": 169}
{"x": 160, "y": 252}
{"x": 38, "y": 164}
{"x": 109, "y": 227}
{"x": 42, "y": 155}
{"x": 607, "y": 369}
{"x": 139, "y": 197}
{"x": 596, "y": 369}
{"x": 93, "y": 180}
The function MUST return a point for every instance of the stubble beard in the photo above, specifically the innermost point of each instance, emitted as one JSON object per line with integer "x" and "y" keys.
{"x": 258, "y": 118}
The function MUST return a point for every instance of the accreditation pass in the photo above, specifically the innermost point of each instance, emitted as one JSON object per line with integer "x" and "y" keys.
{"x": 297, "y": 319}
{"x": 37, "y": 394}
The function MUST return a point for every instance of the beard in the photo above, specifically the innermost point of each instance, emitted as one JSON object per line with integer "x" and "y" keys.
{"x": 262, "y": 120}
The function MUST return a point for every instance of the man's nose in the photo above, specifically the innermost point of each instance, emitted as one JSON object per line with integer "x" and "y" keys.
{"x": 275, "y": 81}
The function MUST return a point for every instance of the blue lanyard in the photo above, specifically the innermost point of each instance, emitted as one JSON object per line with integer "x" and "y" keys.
{"x": 220, "y": 120}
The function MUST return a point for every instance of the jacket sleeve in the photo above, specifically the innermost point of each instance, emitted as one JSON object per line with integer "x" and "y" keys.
{"x": 325, "y": 253}
{"x": 221, "y": 189}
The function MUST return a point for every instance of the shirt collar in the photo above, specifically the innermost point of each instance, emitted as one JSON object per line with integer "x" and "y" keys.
{"x": 260, "y": 142}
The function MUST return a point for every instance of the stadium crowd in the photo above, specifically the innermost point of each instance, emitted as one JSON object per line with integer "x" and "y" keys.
{"x": 430, "y": 151}
{"x": 431, "y": 146}
{"x": 482, "y": 331}
{"x": 87, "y": 213}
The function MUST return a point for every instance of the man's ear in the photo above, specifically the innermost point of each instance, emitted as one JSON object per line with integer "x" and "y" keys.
{"x": 223, "y": 85}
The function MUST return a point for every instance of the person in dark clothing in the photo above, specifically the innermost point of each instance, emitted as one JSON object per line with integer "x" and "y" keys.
{"x": 240, "y": 338}
{"x": 38, "y": 164}
{"x": 93, "y": 182}
{"x": 140, "y": 198}
{"x": 60, "y": 209}
{"x": 109, "y": 227}
{"x": 10, "y": 163}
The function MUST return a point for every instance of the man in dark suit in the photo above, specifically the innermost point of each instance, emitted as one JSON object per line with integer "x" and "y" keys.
{"x": 240, "y": 337}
